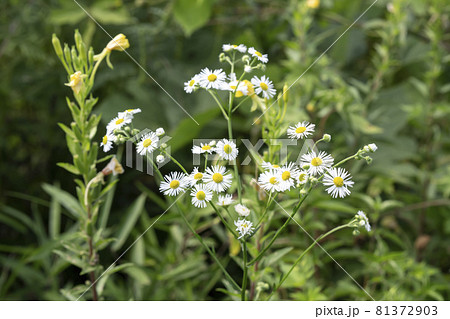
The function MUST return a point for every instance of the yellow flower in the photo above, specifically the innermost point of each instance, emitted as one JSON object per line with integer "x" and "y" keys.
{"x": 119, "y": 43}
{"x": 76, "y": 82}
{"x": 250, "y": 89}
{"x": 313, "y": 4}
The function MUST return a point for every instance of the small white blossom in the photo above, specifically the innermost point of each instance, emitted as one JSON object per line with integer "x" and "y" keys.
{"x": 225, "y": 200}
{"x": 242, "y": 210}
{"x": 244, "y": 227}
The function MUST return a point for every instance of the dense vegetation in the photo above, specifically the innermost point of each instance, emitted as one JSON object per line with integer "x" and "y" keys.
{"x": 385, "y": 81}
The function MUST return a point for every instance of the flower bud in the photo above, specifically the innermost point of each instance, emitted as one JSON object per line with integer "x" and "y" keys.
{"x": 57, "y": 47}
{"x": 160, "y": 131}
{"x": 163, "y": 145}
{"x": 356, "y": 232}
{"x": 135, "y": 131}
{"x": 247, "y": 69}
{"x": 310, "y": 107}
{"x": 285, "y": 93}
{"x": 119, "y": 43}
{"x": 372, "y": 147}
{"x": 222, "y": 57}
{"x": 303, "y": 192}
{"x": 326, "y": 138}
{"x": 212, "y": 143}
{"x": 160, "y": 159}
{"x": 306, "y": 166}
{"x": 246, "y": 59}
{"x": 313, "y": 4}
{"x": 368, "y": 159}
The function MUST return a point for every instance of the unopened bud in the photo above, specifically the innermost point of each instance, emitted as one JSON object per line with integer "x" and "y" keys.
{"x": 222, "y": 57}
{"x": 303, "y": 192}
{"x": 163, "y": 145}
{"x": 355, "y": 232}
{"x": 306, "y": 166}
{"x": 285, "y": 93}
{"x": 160, "y": 131}
{"x": 135, "y": 131}
{"x": 246, "y": 59}
{"x": 160, "y": 159}
{"x": 326, "y": 137}
{"x": 368, "y": 159}
{"x": 212, "y": 143}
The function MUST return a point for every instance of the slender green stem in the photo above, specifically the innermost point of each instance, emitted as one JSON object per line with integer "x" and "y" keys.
{"x": 223, "y": 220}
{"x": 206, "y": 160}
{"x": 303, "y": 254}
{"x": 262, "y": 252}
{"x": 212, "y": 254}
{"x": 218, "y": 103}
{"x": 345, "y": 160}
{"x": 237, "y": 106}
{"x": 244, "y": 276}
{"x": 176, "y": 162}
{"x": 266, "y": 209}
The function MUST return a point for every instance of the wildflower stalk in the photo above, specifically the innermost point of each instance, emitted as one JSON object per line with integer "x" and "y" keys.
{"x": 223, "y": 220}
{"x": 303, "y": 254}
{"x": 191, "y": 228}
{"x": 244, "y": 276}
{"x": 262, "y": 252}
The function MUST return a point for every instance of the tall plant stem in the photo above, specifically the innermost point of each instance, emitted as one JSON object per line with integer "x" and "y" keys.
{"x": 244, "y": 276}
{"x": 262, "y": 252}
{"x": 303, "y": 254}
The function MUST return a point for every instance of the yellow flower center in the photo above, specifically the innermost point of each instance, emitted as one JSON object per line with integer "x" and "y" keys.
{"x": 198, "y": 176}
{"x": 275, "y": 166}
{"x": 316, "y": 161}
{"x": 206, "y": 147}
{"x": 234, "y": 46}
{"x": 227, "y": 149}
{"x": 273, "y": 180}
{"x": 245, "y": 225}
{"x": 233, "y": 87}
{"x": 212, "y": 77}
{"x": 191, "y": 82}
{"x": 119, "y": 121}
{"x": 174, "y": 184}
{"x": 147, "y": 143}
{"x": 258, "y": 53}
{"x": 302, "y": 177}
{"x": 338, "y": 181}
{"x": 201, "y": 195}
{"x": 105, "y": 139}
{"x": 286, "y": 175}
{"x": 300, "y": 129}
{"x": 130, "y": 110}
{"x": 217, "y": 177}
{"x": 264, "y": 86}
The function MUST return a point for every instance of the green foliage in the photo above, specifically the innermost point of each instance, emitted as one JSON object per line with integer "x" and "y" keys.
{"x": 384, "y": 81}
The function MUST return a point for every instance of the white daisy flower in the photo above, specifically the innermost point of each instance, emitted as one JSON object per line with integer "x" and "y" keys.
{"x": 209, "y": 79}
{"x": 226, "y": 149}
{"x": 228, "y": 47}
{"x": 201, "y": 194}
{"x": 270, "y": 180}
{"x": 364, "y": 221}
{"x": 268, "y": 166}
{"x": 300, "y": 130}
{"x": 117, "y": 123}
{"x": 195, "y": 177}
{"x": 339, "y": 180}
{"x": 217, "y": 178}
{"x": 233, "y": 85}
{"x": 261, "y": 57}
{"x": 242, "y": 210}
{"x": 318, "y": 163}
{"x": 148, "y": 143}
{"x": 264, "y": 86}
{"x": 129, "y": 113}
{"x": 244, "y": 227}
{"x": 107, "y": 142}
{"x": 190, "y": 85}
{"x": 301, "y": 177}
{"x": 173, "y": 184}
{"x": 203, "y": 148}
{"x": 287, "y": 173}
{"x": 225, "y": 200}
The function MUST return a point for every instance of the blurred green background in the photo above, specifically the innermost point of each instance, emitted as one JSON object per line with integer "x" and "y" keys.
{"x": 385, "y": 81}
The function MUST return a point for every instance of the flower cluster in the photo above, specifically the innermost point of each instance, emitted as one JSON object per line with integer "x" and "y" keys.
{"x": 313, "y": 167}
{"x": 224, "y": 148}
{"x": 360, "y": 220}
{"x": 218, "y": 80}
{"x": 120, "y": 129}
